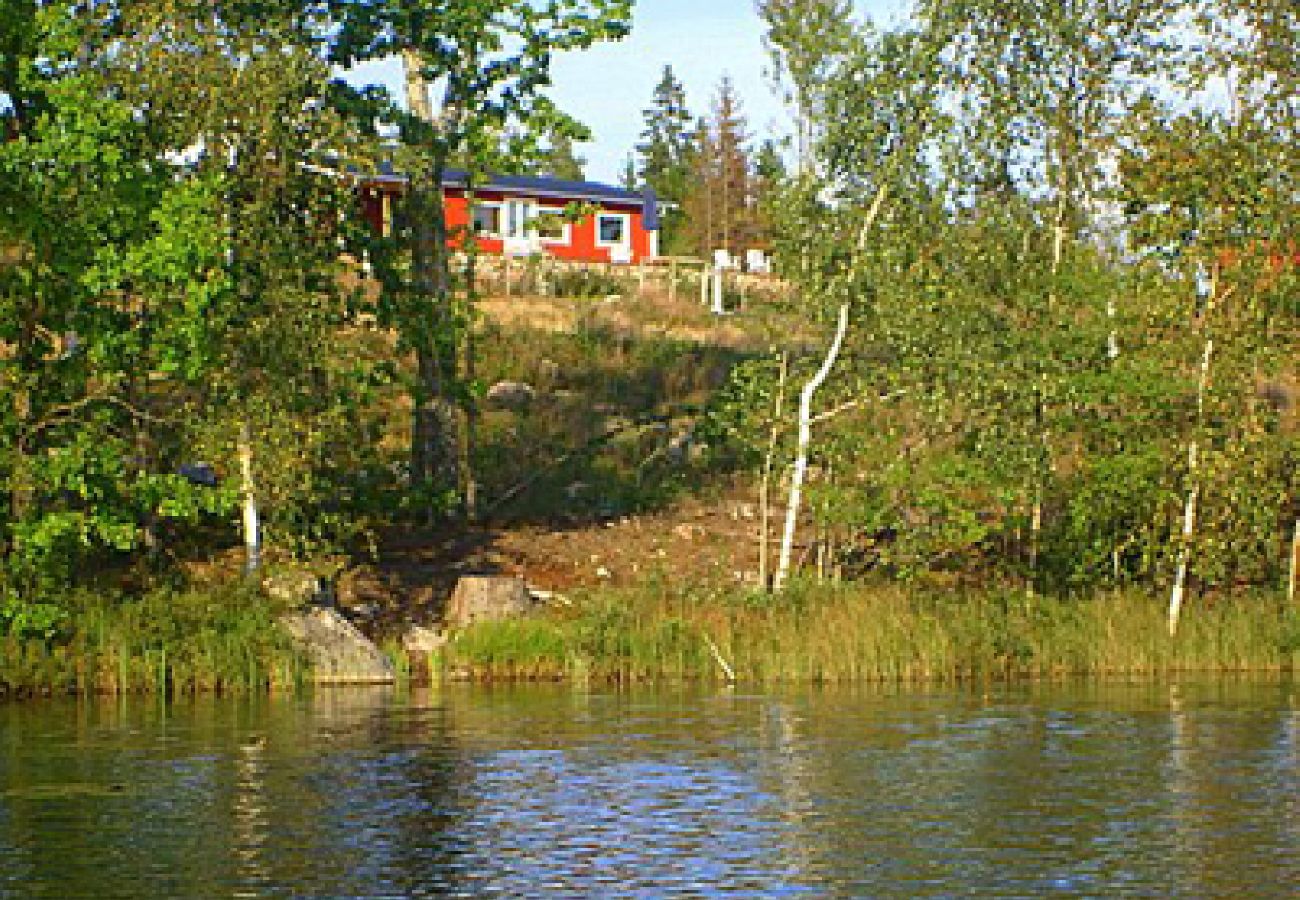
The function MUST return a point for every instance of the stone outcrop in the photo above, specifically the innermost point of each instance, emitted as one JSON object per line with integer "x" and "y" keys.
{"x": 510, "y": 395}
{"x": 339, "y": 653}
{"x": 485, "y": 598}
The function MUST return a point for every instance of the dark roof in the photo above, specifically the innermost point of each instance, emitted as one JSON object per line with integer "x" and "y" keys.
{"x": 530, "y": 184}
{"x": 549, "y": 187}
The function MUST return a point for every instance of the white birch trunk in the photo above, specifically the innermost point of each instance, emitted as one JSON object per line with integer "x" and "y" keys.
{"x": 801, "y": 456}
{"x": 805, "y": 409}
{"x": 1112, "y": 340}
{"x": 252, "y": 522}
{"x": 1184, "y": 553}
{"x": 1193, "y": 493}
{"x": 765, "y": 485}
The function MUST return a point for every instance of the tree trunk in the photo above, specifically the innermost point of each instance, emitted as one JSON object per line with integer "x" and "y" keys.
{"x": 1040, "y": 477}
{"x": 468, "y": 371}
{"x": 418, "y": 102}
{"x": 248, "y": 489}
{"x": 1295, "y": 562}
{"x": 805, "y": 404}
{"x": 428, "y": 324}
{"x": 1193, "y": 493}
{"x": 765, "y": 483}
{"x": 433, "y": 430}
{"x": 801, "y": 456}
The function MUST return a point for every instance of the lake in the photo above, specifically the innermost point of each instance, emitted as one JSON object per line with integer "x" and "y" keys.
{"x": 1151, "y": 789}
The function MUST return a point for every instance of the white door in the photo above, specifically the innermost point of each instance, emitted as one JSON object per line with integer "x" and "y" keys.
{"x": 515, "y": 227}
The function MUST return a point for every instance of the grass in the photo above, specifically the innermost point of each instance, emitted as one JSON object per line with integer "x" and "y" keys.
{"x": 606, "y": 404}
{"x": 162, "y": 642}
{"x": 875, "y": 634}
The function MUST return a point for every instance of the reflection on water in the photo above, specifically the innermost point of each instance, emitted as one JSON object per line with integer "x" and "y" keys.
{"x": 1189, "y": 790}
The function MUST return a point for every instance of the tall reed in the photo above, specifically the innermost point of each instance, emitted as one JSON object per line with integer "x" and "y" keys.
{"x": 819, "y": 634}
{"x": 160, "y": 642}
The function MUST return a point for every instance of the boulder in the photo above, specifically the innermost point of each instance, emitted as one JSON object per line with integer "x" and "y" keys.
{"x": 487, "y": 598}
{"x": 292, "y": 586}
{"x": 339, "y": 653}
{"x": 421, "y": 641}
{"x": 510, "y": 395}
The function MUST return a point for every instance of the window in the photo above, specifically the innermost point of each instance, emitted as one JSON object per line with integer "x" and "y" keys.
{"x": 487, "y": 220}
{"x": 611, "y": 230}
{"x": 551, "y": 229}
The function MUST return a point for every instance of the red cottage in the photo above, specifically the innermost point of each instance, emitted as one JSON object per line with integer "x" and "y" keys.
{"x": 624, "y": 228}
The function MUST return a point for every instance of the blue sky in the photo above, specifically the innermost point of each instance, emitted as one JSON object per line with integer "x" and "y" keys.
{"x": 608, "y": 86}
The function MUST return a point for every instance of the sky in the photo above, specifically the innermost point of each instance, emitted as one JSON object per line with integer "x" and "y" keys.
{"x": 609, "y": 85}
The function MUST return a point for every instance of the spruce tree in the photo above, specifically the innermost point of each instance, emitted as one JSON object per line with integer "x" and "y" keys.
{"x": 665, "y": 152}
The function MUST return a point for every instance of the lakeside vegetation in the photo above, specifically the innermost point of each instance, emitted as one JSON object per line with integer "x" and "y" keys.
{"x": 845, "y": 633}
{"x": 1037, "y": 337}
{"x": 223, "y": 640}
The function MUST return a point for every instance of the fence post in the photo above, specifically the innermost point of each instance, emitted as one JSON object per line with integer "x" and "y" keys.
{"x": 672, "y": 281}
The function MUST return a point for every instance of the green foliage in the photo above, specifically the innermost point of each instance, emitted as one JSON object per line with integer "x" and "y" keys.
{"x": 1078, "y": 283}
{"x": 27, "y": 620}
{"x": 161, "y": 642}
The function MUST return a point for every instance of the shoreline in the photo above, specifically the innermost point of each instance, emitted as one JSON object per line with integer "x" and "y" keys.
{"x": 226, "y": 642}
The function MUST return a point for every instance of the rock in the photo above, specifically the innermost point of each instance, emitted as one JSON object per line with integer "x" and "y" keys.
{"x": 510, "y": 395}
{"x": 339, "y": 653}
{"x": 543, "y": 597}
{"x": 422, "y": 641}
{"x": 296, "y": 587}
{"x": 487, "y": 598}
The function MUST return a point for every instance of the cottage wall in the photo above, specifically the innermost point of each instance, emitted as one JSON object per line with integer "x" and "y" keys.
{"x": 378, "y": 200}
{"x": 582, "y": 244}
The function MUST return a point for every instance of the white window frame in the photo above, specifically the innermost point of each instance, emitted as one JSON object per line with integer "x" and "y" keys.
{"x": 516, "y": 211}
{"x": 627, "y": 230}
{"x": 566, "y": 228}
{"x": 491, "y": 204}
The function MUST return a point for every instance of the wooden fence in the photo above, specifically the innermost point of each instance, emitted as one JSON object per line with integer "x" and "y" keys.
{"x": 674, "y": 277}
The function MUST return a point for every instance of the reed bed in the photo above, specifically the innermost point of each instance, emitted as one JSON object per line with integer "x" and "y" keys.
{"x": 819, "y": 634}
{"x": 164, "y": 642}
